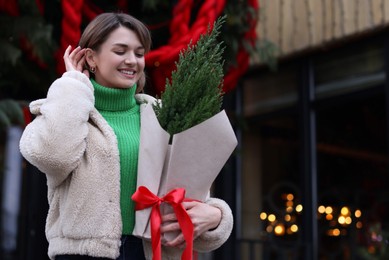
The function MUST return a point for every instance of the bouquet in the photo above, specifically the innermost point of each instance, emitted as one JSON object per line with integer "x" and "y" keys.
{"x": 185, "y": 139}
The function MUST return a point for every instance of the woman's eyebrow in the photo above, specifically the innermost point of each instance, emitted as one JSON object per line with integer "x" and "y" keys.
{"x": 123, "y": 45}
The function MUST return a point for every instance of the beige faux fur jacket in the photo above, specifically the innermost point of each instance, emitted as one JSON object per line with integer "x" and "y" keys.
{"x": 75, "y": 147}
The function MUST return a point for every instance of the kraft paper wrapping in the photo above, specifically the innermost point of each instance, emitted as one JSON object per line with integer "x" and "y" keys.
{"x": 192, "y": 161}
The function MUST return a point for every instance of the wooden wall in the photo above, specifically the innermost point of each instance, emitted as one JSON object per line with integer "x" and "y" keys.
{"x": 294, "y": 25}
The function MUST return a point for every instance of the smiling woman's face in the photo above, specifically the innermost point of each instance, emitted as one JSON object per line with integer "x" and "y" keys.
{"x": 120, "y": 60}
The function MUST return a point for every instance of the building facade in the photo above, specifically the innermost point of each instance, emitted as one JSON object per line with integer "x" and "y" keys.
{"x": 312, "y": 175}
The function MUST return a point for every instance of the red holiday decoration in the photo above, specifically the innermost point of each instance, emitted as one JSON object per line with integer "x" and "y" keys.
{"x": 159, "y": 62}
{"x": 71, "y": 28}
{"x": 40, "y": 5}
{"x": 9, "y": 7}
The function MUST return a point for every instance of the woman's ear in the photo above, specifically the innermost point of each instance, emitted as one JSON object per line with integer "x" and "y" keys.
{"x": 90, "y": 58}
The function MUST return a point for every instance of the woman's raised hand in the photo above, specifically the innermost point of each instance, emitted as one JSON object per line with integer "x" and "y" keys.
{"x": 75, "y": 60}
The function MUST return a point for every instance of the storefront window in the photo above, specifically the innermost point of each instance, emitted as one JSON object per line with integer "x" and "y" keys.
{"x": 272, "y": 195}
{"x": 282, "y": 200}
{"x": 348, "y": 162}
{"x": 352, "y": 166}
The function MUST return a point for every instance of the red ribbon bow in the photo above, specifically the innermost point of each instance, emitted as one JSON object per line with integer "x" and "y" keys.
{"x": 144, "y": 198}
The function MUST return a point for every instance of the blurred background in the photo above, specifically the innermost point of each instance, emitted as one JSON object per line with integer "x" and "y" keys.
{"x": 306, "y": 89}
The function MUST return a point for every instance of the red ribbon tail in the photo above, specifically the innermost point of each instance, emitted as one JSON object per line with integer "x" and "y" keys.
{"x": 144, "y": 198}
{"x": 187, "y": 230}
{"x": 155, "y": 222}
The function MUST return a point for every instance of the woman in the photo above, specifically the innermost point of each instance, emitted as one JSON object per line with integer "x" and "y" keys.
{"x": 85, "y": 138}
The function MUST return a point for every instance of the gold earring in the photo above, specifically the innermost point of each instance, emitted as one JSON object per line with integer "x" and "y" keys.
{"x": 92, "y": 69}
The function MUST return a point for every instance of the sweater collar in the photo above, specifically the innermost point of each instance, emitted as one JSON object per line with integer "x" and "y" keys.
{"x": 113, "y": 99}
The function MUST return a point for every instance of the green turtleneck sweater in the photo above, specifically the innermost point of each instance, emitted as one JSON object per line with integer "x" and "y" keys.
{"x": 120, "y": 109}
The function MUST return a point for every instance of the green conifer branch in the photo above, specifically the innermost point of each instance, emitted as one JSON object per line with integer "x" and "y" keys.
{"x": 195, "y": 91}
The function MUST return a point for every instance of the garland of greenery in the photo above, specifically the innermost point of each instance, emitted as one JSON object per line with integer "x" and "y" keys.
{"x": 195, "y": 91}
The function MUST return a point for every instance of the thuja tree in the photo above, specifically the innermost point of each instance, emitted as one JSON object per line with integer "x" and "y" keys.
{"x": 194, "y": 93}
